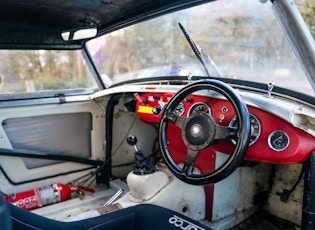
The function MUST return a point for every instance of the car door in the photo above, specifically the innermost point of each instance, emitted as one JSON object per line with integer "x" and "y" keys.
{"x": 46, "y": 110}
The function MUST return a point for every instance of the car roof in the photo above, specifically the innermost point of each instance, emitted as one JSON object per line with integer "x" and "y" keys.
{"x": 39, "y": 23}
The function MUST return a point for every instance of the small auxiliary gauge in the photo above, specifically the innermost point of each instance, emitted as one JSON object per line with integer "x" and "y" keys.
{"x": 278, "y": 140}
{"x": 180, "y": 109}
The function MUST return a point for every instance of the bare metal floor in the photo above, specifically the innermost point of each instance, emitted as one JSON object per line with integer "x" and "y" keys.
{"x": 264, "y": 221}
{"x": 76, "y": 209}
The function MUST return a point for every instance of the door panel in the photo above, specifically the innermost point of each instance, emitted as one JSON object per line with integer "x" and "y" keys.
{"x": 73, "y": 129}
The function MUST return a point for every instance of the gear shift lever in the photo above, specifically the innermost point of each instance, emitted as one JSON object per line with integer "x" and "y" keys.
{"x": 142, "y": 165}
{"x": 145, "y": 181}
{"x": 132, "y": 140}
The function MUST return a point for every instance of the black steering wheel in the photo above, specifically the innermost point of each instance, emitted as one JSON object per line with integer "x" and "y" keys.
{"x": 199, "y": 131}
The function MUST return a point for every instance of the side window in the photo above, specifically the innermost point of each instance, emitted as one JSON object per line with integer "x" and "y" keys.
{"x": 24, "y": 71}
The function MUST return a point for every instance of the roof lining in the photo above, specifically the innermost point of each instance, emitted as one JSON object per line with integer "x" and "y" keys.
{"x": 32, "y": 34}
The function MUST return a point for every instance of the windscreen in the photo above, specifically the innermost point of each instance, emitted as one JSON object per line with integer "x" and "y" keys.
{"x": 242, "y": 39}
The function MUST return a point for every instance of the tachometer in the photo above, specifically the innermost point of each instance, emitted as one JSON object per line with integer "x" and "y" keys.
{"x": 199, "y": 107}
{"x": 255, "y": 128}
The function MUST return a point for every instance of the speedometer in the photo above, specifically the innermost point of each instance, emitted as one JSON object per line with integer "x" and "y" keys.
{"x": 199, "y": 107}
{"x": 255, "y": 128}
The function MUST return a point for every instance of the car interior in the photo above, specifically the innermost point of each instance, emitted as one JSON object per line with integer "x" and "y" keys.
{"x": 157, "y": 115}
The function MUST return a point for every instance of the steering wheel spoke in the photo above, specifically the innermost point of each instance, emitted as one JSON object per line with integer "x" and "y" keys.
{"x": 180, "y": 121}
{"x": 225, "y": 132}
{"x": 190, "y": 162}
{"x": 172, "y": 117}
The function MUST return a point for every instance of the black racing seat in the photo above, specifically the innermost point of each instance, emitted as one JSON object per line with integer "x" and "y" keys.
{"x": 139, "y": 217}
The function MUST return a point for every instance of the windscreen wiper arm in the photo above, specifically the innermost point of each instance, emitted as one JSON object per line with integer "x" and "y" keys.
{"x": 200, "y": 53}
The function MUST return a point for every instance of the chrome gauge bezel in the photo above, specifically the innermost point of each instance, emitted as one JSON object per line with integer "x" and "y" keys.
{"x": 276, "y": 134}
{"x": 193, "y": 108}
{"x": 180, "y": 109}
{"x": 255, "y": 127}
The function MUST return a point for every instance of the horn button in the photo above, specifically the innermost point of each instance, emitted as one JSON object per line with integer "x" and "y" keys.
{"x": 198, "y": 131}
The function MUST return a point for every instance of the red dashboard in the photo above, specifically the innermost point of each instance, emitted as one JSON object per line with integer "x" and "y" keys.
{"x": 273, "y": 140}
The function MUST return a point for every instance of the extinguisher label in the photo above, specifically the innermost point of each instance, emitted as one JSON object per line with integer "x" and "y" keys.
{"x": 48, "y": 196}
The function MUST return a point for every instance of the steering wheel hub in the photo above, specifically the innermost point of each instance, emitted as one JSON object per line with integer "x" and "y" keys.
{"x": 198, "y": 131}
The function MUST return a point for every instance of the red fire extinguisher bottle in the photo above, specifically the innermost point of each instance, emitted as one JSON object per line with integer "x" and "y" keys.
{"x": 40, "y": 197}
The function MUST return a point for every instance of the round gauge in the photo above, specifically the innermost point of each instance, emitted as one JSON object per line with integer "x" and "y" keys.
{"x": 199, "y": 107}
{"x": 278, "y": 140}
{"x": 255, "y": 128}
{"x": 180, "y": 109}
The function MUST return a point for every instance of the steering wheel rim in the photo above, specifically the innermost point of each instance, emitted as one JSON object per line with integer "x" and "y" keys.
{"x": 203, "y": 141}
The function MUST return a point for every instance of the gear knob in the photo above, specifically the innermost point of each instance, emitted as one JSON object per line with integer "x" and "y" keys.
{"x": 132, "y": 140}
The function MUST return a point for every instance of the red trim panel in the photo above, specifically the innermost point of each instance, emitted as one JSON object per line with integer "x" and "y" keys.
{"x": 300, "y": 146}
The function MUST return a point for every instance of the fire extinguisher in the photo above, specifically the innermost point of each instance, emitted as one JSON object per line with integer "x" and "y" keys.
{"x": 40, "y": 197}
